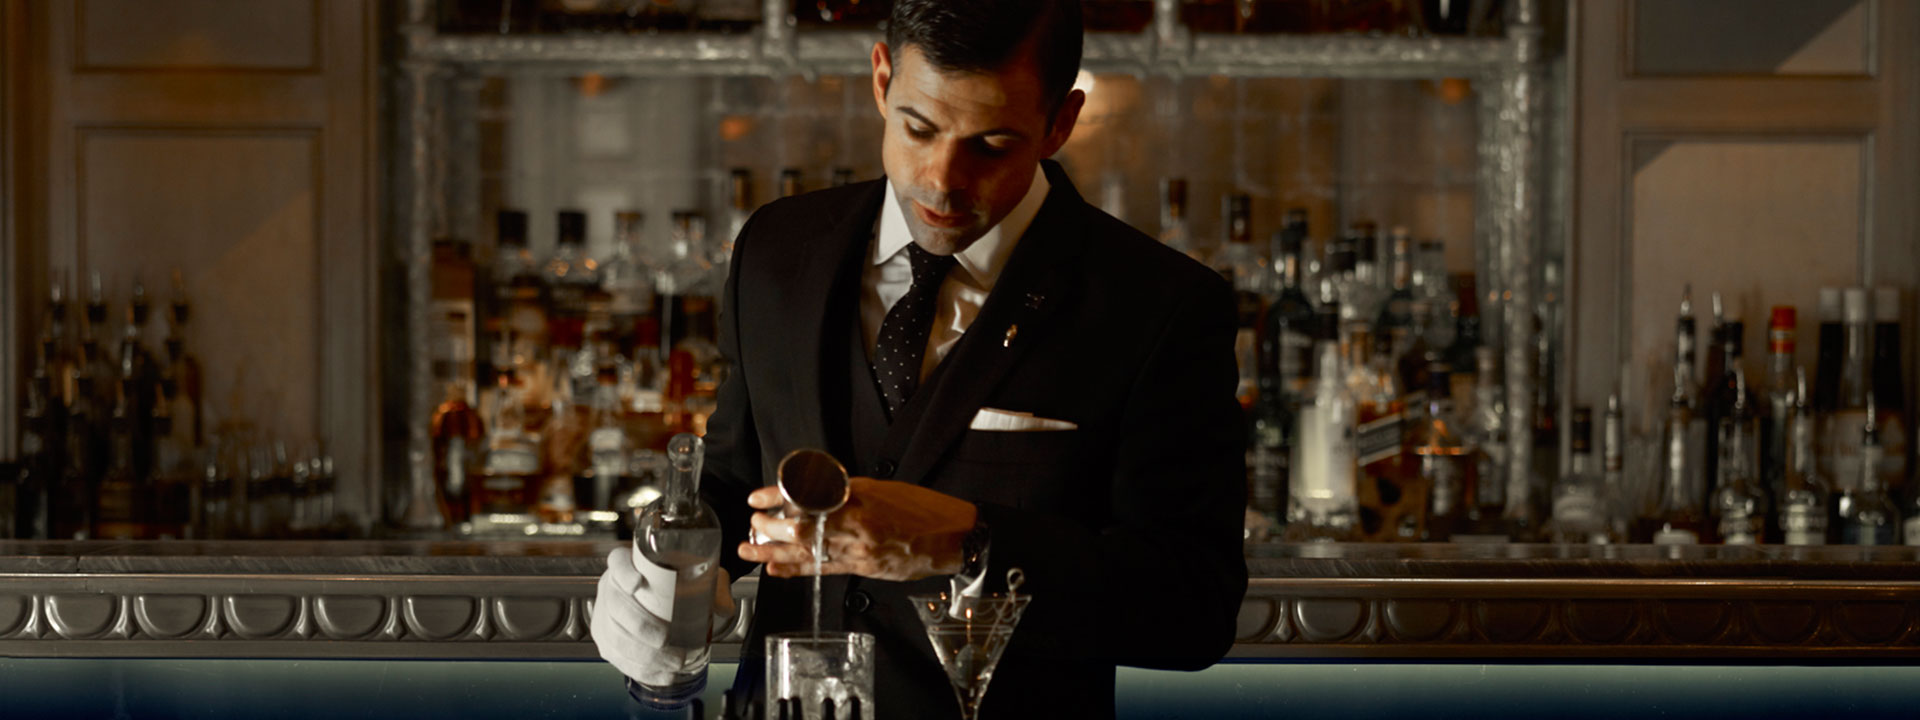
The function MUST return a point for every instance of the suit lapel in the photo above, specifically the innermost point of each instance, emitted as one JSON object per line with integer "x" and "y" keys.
{"x": 1015, "y": 318}
{"x": 832, "y": 261}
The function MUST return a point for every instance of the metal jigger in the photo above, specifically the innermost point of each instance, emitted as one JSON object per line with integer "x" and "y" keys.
{"x": 812, "y": 483}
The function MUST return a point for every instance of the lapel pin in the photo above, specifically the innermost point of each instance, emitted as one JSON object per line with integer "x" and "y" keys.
{"x": 1012, "y": 330}
{"x": 1034, "y": 300}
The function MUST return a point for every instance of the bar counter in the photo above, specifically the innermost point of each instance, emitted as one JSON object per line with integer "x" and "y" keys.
{"x": 531, "y": 601}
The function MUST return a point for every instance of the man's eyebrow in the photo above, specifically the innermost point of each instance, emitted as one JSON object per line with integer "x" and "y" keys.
{"x": 996, "y": 132}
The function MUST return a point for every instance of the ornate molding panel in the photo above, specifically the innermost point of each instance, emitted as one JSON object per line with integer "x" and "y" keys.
{"x": 279, "y": 616}
{"x": 1574, "y": 618}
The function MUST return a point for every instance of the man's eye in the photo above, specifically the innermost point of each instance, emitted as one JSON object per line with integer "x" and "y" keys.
{"x": 919, "y": 132}
{"x": 991, "y": 149}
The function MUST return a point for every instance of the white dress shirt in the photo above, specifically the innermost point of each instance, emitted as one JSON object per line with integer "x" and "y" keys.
{"x": 889, "y": 273}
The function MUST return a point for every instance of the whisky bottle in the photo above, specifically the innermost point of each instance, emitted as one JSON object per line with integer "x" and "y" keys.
{"x": 1443, "y": 462}
{"x": 1238, "y": 262}
{"x": 511, "y": 472}
{"x": 1739, "y": 505}
{"x": 790, "y": 182}
{"x": 1805, "y": 498}
{"x": 520, "y": 295}
{"x": 571, "y": 275}
{"x": 1174, "y": 232}
{"x": 457, "y": 435}
{"x": 1322, "y": 501}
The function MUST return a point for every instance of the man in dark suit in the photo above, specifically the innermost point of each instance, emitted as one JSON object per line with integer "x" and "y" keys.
{"x": 1019, "y": 379}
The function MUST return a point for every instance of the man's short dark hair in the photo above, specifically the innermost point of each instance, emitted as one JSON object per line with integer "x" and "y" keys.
{"x": 984, "y": 35}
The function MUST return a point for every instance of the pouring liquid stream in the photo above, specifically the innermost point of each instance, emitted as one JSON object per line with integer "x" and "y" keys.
{"x": 819, "y": 551}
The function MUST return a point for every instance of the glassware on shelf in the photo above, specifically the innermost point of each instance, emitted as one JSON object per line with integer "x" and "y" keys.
{"x": 1867, "y": 515}
{"x": 1739, "y": 505}
{"x": 1805, "y": 497}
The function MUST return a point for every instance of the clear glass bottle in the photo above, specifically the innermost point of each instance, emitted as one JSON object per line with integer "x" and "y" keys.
{"x": 1679, "y": 518}
{"x": 1174, "y": 232}
{"x": 1739, "y": 504}
{"x": 1776, "y": 419}
{"x": 1843, "y": 424}
{"x": 677, "y": 545}
{"x": 1486, "y": 430}
{"x": 1322, "y": 499}
{"x": 1441, "y": 459}
{"x": 1579, "y": 498}
{"x": 627, "y": 279}
{"x": 1805, "y": 496}
{"x": 1612, "y": 472}
{"x": 571, "y": 276}
{"x": 1867, "y": 515}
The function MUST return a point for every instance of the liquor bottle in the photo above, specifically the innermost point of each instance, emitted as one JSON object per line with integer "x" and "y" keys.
{"x": 1322, "y": 499}
{"x": 1442, "y": 460}
{"x": 608, "y": 443}
{"x": 1579, "y": 498}
{"x": 677, "y": 549}
{"x": 1776, "y": 417}
{"x": 457, "y": 435}
{"x": 453, "y": 339}
{"x": 1381, "y": 416}
{"x": 520, "y": 301}
{"x": 73, "y": 514}
{"x": 1739, "y": 505}
{"x": 628, "y": 283}
{"x": 1805, "y": 498}
{"x": 1400, "y": 325}
{"x": 1238, "y": 262}
{"x": 1487, "y": 499}
{"x": 1612, "y": 472}
{"x": 1854, "y": 391}
{"x": 571, "y": 276}
{"x": 739, "y": 208}
{"x": 1362, "y": 290}
{"x": 1831, "y": 353}
{"x": 1679, "y": 518}
{"x": 1712, "y": 404}
{"x": 118, "y": 498}
{"x": 1174, "y": 232}
{"x": 1286, "y": 373}
{"x": 790, "y": 182}
{"x": 510, "y": 475}
{"x": 1889, "y": 389}
{"x": 841, "y": 13}
{"x": 1867, "y": 515}
{"x": 41, "y": 438}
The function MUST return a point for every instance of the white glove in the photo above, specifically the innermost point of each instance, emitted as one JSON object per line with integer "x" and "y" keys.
{"x": 630, "y": 636}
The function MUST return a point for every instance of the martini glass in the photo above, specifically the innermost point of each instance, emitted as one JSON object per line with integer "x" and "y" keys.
{"x": 968, "y": 634}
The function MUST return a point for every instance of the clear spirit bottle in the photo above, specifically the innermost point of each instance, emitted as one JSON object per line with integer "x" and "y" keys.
{"x": 1854, "y": 391}
{"x": 1286, "y": 373}
{"x": 1867, "y": 515}
{"x": 677, "y": 543}
{"x": 1486, "y": 430}
{"x": 1805, "y": 496}
{"x": 1739, "y": 504}
{"x": 1679, "y": 518}
{"x": 1579, "y": 498}
{"x": 1322, "y": 501}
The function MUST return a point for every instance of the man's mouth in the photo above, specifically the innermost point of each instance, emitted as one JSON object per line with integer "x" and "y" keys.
{"x": 939, "y": 220}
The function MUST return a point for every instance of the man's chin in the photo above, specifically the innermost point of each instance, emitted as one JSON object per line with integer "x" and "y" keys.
{"x": 945, "y": 241}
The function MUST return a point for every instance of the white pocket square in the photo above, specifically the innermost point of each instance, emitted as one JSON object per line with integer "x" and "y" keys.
{"x": 997, "y": 420}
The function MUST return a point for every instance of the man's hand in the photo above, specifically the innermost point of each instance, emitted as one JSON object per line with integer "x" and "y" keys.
{"x": 627, "y": 633}
{"x": 887, "y": 531}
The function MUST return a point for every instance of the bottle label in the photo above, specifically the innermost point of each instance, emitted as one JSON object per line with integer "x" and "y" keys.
{"x": 1803, "y": 525}
{"x": 1269, "y": 477}
{"x": 1575, "y": 507}
{"x": 1296, "y": 358}
{"x": 1913, "y": 531}
{"x": 1670, "y": 536}
{"x": 1379, "y": 440}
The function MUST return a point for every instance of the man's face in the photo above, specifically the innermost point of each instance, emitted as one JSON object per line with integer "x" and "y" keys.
{"x": 960, "y": 148}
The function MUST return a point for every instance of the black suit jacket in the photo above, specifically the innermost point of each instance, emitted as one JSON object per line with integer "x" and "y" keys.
{"x": 1128, "y": 528}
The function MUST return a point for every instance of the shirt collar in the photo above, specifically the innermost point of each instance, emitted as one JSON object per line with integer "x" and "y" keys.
{"x": 986, "y": 257}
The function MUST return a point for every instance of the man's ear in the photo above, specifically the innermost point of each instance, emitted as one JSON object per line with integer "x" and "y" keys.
{"x": 1063, "y": 121}
{"x": 882, "y": 75}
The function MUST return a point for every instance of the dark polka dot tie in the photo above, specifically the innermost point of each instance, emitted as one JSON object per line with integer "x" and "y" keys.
{"x": 903, "y": 335}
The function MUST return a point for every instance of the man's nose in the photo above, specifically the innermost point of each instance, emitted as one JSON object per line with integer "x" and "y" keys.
{"x": 945, "y": 169}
